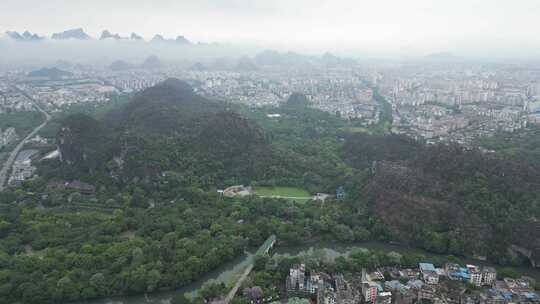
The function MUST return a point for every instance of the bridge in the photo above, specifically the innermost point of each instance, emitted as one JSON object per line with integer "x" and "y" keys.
{"x": 264, "y": 249}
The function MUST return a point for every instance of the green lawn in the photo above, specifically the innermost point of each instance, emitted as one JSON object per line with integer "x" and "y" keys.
{"x": 297, "y": 194}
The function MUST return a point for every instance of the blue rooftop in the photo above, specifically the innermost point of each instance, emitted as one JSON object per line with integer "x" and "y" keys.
{"x": 394, "y": 284}
{"x": 25, "y": 155}
{"x": 427, "y": 267}
{"x": 531, "y": 295}
{"x": 506, "y": 295}
{"x": 461, "y": 275}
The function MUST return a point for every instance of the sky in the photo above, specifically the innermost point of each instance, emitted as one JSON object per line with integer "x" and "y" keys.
{"x": 384, "y": 26}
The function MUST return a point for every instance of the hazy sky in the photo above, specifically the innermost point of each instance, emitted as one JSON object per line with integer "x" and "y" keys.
{"x": 381, "y": 25}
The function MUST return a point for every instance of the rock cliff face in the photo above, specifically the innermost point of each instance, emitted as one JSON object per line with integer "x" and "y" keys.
{"x": 85, "y": 143}
{"x": 528, "y": 245}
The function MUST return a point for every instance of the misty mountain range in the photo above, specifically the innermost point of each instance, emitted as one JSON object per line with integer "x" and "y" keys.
{"x": 26, "y": 36}
{"x": 80, "y": 34}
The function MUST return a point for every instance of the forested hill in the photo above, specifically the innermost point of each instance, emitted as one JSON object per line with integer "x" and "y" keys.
{"x": 167, "y": 128}
{"x": 166, "y": 108}
{"x": 449, "y": 199}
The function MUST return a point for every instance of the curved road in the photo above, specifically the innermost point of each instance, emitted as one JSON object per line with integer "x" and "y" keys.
{"x": 9, "y": 162}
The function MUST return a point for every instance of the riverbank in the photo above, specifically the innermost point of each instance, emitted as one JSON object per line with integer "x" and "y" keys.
{"x": 228, "y": 272}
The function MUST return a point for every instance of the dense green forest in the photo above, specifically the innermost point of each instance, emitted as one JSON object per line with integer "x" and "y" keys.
{"x": 524, "y": 144}
{"x": 157, "y": 222}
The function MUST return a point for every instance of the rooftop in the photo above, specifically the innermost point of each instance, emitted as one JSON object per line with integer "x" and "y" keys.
{"x": 427, "y": 267}
{"x": 25, "y": 155}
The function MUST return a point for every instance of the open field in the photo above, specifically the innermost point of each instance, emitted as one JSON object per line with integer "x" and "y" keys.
{"x": 291, "y": 193}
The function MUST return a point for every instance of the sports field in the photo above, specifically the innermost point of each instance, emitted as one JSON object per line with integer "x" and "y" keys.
{"x": 290, "y": 193}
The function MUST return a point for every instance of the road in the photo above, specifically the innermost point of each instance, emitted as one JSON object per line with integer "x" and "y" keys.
{"x": 234, "y": 290}
{"x": 9, "y": 162}
{"x": 265, "y": 247}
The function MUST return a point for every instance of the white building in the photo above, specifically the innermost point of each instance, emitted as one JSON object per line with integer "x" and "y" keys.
{"x": 489, "y": 275}
{"x": 475, "y": 276}
{"x": 298, "y": 281}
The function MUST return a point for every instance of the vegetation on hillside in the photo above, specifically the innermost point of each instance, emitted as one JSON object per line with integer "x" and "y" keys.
{"x": 157, "y": 222}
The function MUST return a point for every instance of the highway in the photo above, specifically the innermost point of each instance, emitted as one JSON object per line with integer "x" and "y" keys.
{"x": 9, "y": 162}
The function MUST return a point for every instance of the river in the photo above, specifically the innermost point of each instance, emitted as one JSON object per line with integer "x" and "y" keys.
{"x": 229, "y": 271}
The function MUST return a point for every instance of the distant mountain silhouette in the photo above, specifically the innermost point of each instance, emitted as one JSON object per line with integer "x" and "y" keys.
{"x": 182, "y": 40}
{"x": 50, "y": 73}
{"x": 158, "y": 38}
{"x": 26, "y": 36}
{"x": 135, "y": 37}
{"x": 179, "y": 40}
{"x": 80, "y": 34}
{"x": 108, "y": 35}
{"x": 246, "y": 64}
{"x": 329, "y": 59}
{"x": 151, "y": 63}
{"x": 275, "y": 58}
{"x": 77, "y": 34}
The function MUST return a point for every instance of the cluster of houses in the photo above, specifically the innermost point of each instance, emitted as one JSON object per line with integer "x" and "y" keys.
{"x": 22, "y": 168}
{"x": 320, "y": 286}
{"x": 428, "y": 284}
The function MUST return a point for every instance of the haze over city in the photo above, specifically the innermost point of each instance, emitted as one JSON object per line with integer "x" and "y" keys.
{"x": 378, "y": 28}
